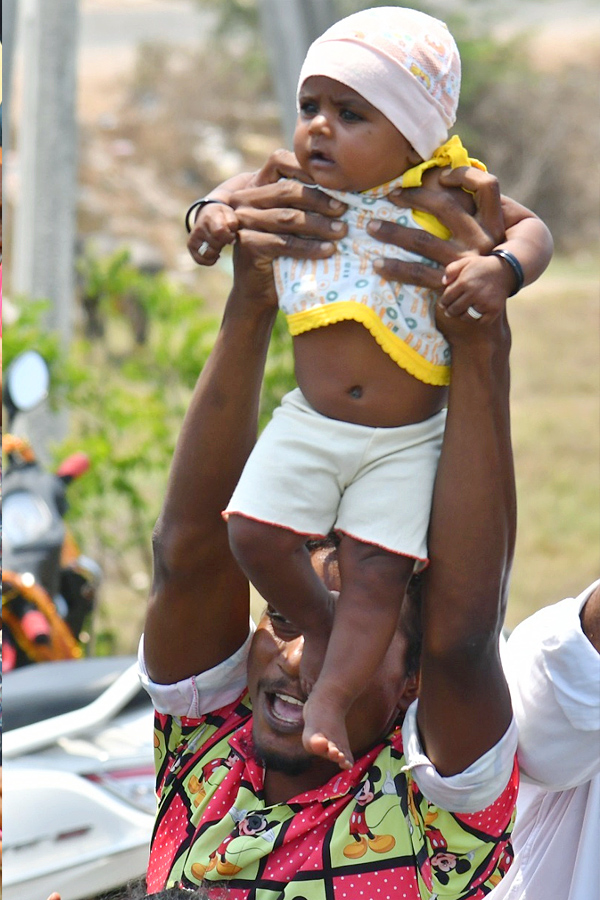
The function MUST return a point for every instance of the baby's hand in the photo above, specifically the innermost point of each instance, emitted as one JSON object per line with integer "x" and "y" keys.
{"x": 481, "y": 282}
{"x": 216, "y": 226}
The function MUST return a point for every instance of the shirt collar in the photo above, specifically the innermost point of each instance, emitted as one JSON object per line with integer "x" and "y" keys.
{"x": 338, "y": 786}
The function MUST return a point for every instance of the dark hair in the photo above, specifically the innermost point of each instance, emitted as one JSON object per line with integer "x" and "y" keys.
{"x": 137, "y": 891}
{"x": 330, "y": 541}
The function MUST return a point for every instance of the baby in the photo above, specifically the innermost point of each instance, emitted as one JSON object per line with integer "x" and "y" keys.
{"x": 355, "y": 447}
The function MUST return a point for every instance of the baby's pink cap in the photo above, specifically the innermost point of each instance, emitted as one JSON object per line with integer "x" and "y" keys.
{"x": 404, "y": 62}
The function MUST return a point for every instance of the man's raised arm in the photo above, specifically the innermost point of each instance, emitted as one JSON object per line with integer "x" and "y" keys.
{"x": 199, "y": 606}
{"x": 198, "y": 612}
{"x": 464, "y": 704}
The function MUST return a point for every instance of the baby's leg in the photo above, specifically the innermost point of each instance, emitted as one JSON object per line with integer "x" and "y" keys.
{"x": 278, "y": 564}
{"x": 373, "y": 584}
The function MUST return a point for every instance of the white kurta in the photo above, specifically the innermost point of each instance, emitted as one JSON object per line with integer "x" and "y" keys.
{"x": 554, "y": 674}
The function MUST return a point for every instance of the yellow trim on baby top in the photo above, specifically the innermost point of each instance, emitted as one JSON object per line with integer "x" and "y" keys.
{"x": 451, "y": 154}
{"x": 397, "y": 348}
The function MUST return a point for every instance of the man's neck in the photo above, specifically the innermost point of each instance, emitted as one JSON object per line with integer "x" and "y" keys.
{"x": 280, "y": 787}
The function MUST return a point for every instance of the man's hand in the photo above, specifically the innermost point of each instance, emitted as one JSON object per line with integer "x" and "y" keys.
{"x": 289, "y": 218}
{"x": 472, "y": 235}
{"x": 276, "y": 217}
{"x": 282, "y": 214}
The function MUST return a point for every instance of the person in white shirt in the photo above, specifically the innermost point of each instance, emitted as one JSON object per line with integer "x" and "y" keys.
{"x": 552, "y": 664}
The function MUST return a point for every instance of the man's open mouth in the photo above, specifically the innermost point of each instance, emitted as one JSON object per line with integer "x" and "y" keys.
{"x": 286, "y": 711}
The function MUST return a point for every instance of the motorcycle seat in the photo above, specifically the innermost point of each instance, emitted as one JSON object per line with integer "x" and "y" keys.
{"x": 41, "y": 691}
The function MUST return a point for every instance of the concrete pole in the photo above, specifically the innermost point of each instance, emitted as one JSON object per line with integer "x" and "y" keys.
{"x": 46, "y": 150}
{"x": 8, "y": 46}
{"x": 289, "y": 27}
{"x": 44, "y": 238}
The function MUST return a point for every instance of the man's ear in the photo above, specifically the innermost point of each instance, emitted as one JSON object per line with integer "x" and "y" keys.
{"x": 410, "y": 692}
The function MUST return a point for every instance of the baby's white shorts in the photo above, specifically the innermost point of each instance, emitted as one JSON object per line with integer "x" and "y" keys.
{"x": 311, "y": 474}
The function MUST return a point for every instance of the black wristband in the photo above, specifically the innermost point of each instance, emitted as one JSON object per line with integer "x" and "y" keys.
{"x": 197, "y": 205}
{"x": 515, "y": 265}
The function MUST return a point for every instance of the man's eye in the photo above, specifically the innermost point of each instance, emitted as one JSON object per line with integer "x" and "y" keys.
{"x": 277, "y": 619}
{"x": 282, "y": 627}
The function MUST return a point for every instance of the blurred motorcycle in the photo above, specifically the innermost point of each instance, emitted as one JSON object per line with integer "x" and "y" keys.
{"x": 79, "y": 798}
{"x": 49, "y": 589}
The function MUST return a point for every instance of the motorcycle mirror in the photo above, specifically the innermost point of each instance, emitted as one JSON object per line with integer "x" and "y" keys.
{"x": 27, "y": 381}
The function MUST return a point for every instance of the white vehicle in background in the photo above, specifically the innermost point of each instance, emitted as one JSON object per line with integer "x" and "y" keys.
{"x": 78, "y": 779}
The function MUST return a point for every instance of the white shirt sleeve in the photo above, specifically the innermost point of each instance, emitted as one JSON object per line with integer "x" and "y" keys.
{"x": 469, "y": 791}
{"x": 199, "y": 694}
{"x": 554, "y": 675}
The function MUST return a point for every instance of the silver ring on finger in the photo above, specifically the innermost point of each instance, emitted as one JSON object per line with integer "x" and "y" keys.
{"x": 474, "y": 313}
{"x": 204, "y": 246}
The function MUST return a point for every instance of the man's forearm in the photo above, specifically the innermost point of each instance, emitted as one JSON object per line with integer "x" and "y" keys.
{"x": 465, "y": 707}
{"x": 220, "y": 426}
{"x": 473, "y": 518}
{"x": 198, "y": 611}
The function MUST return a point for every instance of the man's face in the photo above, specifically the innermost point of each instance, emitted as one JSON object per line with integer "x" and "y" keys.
{"x": 278, "y": 698}
{"x": 345, "y": 143}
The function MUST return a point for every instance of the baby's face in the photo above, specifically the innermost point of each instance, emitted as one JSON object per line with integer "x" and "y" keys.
{"x": 343, "y": 142}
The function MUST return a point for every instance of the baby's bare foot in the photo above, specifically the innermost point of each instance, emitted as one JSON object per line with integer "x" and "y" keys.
{"x": 325, "y": 732}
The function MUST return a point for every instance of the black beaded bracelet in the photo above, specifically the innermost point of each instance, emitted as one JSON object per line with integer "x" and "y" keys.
{"x": 515, "y": 265}
{"x": 197, "y": 205}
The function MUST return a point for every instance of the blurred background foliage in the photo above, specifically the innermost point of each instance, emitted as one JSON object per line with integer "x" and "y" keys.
{"x": 127, "y": 389}
{"x": 196, "y": 117}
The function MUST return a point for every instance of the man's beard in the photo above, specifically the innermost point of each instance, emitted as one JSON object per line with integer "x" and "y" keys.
{"x": 278, "y": 762}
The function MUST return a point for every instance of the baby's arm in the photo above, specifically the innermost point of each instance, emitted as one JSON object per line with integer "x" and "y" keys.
{"x": 212, "y": 222}
{"x": 216, "y": 226}
{"x": 485, "y": 282}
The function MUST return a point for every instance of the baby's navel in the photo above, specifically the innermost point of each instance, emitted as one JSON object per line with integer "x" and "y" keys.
{"x": 356, "y": 392}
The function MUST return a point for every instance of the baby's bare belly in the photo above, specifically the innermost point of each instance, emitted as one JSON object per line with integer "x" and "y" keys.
{"x": 344, "y": 374}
